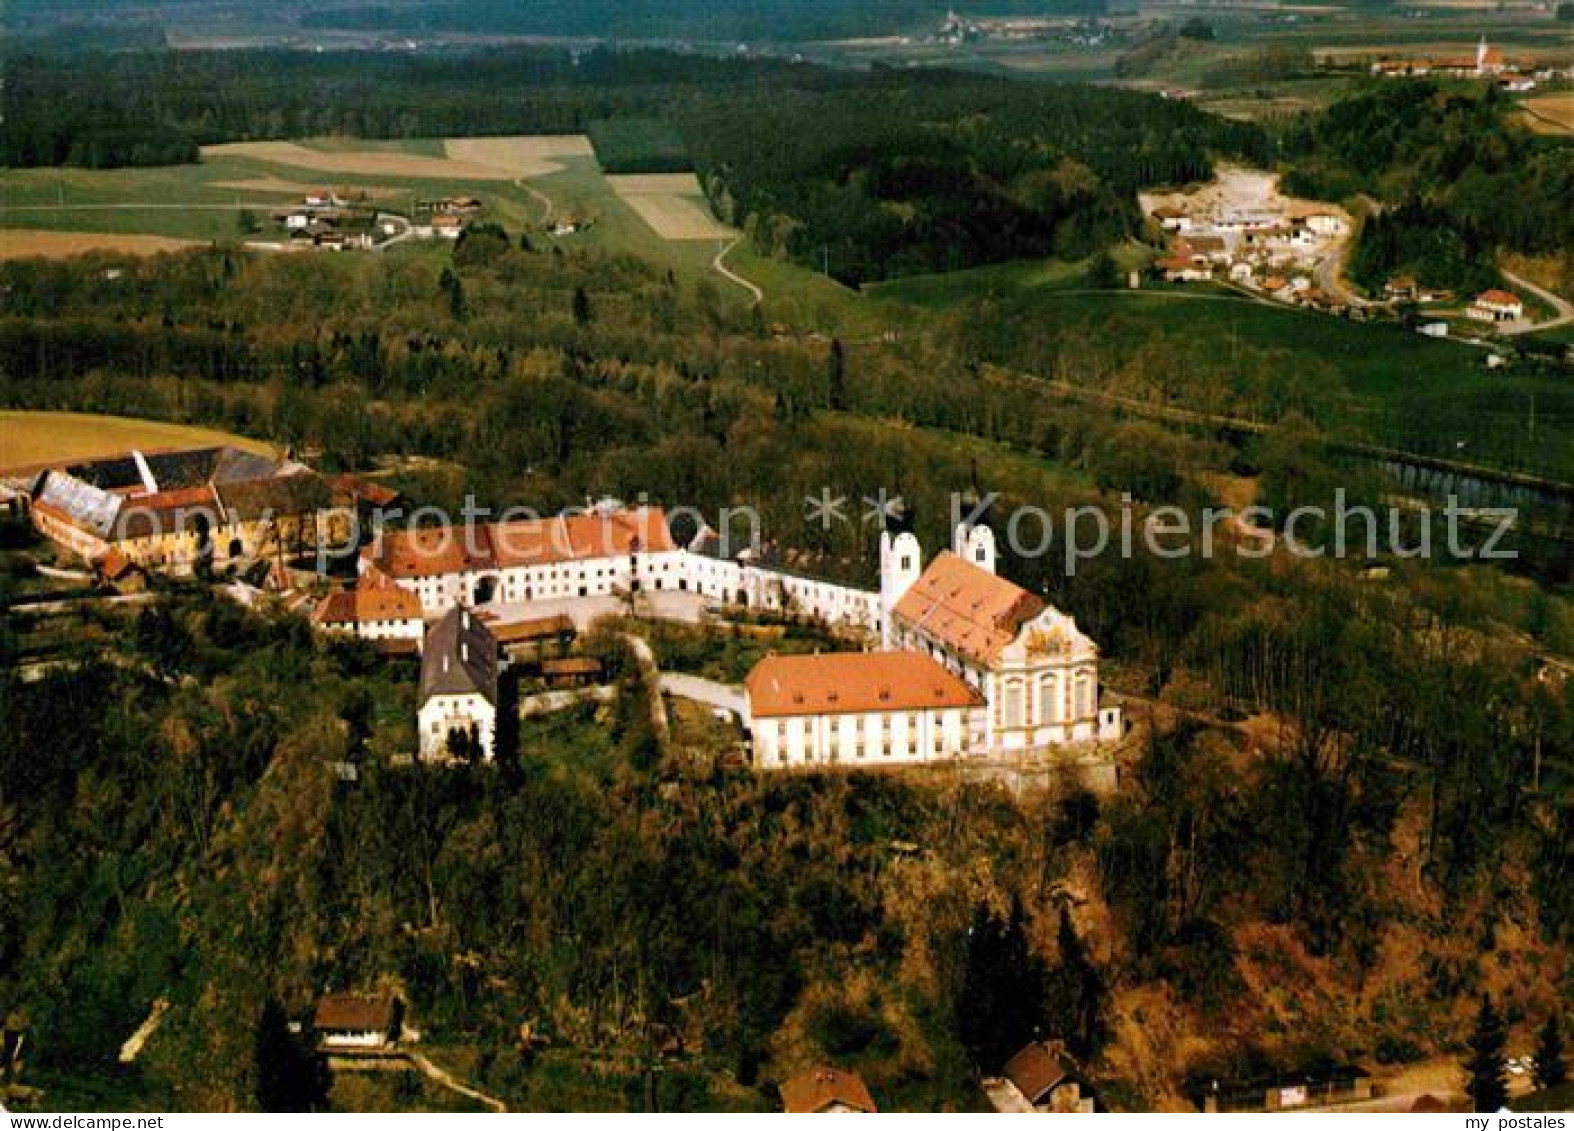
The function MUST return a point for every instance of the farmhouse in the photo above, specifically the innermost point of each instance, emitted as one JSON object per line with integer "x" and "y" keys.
{"x": 1180, "y": 269}
{"x": 357, "y": 1023}
{"x": 825, "y": 1090}
{"x": 173, "y": 511}
{"x": 458, "y": 698}
{"x": 1496, "y": 306}
{"x": 859, "y": 709}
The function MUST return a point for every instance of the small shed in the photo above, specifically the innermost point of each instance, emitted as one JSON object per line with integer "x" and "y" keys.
{"x": 347, "y": 1022}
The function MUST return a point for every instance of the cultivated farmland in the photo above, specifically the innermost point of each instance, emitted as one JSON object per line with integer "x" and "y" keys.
{"x": 522, "y": 157}
{"x": 25, "y": 243}
{"x": 672, "y": 204}
{"x": 364, "y": 163}
{"x": 1551, "y": 113}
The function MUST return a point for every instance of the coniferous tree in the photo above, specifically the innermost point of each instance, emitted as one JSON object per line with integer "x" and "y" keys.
{"x": 1551, "y": 1069}
{"x": 1002, "y": 1004}
{"x": 583, "y": 314}
{"x": 1076, "y": 992}
{"x": 838, "y": 374}
{"x": 289, "y": 1077}
{"x": 1486, "y": 1066}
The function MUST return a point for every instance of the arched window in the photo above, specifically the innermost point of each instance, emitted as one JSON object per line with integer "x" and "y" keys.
{"x": 1084, "y": 694}
{"x": 1013, "y": 702}
{"x": 1049, "y": 697}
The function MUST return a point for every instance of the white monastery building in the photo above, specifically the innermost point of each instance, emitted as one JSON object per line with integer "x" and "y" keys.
{"x": 858, "y": 709}
{"x": 971, "y": 665}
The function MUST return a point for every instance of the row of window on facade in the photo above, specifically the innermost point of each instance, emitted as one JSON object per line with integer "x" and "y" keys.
{"x": 865, "y": 737}
{"x": 1017, "y": 707}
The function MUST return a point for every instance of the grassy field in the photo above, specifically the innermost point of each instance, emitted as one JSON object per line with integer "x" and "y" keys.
{"x": 28, "y": 438}
{"x": 1413, "y": 392}
{"x": 951, "y": 288}
{"x": 203, "y": 201}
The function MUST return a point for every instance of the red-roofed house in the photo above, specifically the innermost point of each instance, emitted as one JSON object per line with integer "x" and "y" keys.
{"x": 1042, "y": 1077}
{"x": 824, "y": 1090}
{"x": 604, "y": 552}
{"x": 1497, "y": 306}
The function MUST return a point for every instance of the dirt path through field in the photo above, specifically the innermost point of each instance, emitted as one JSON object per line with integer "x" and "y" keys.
{"x": 728, "y": 273}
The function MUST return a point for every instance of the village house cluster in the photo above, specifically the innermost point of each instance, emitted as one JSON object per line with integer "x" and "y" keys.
{"x": 1273, "y": 247}
{"x": 347, "y": 220}
{"x": 1487, "y": 63}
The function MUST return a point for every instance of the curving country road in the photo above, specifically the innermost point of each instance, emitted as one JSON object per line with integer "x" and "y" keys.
{"x": 729, "y": 273}
{"x": 1564, "y": 309}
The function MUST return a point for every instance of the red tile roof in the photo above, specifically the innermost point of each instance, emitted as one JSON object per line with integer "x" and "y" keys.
{"x": 375, "y": 598}
{"x": 355, "y": 1013}
{"x": 967, "y": 609}
{"x": 822, "y": 1088}
{"x": 838, "y": 682}
{"x": 434, "y": 551}
{"x": 357, "y": 488}
{"x": 540, "y": 628}
{"x": 1037, "y": 1069}
{"x": 1500, "y": 298}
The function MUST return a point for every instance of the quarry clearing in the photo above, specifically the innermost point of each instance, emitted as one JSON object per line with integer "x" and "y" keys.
{"x": 672, "y": 204}
{"x": 28, "y": 243}
{"x": 1236, "y": 191}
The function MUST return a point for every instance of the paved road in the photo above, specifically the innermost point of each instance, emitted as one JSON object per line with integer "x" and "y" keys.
{"x": 647, "y": 663}
{"x": 1329, "y": 275}
{"x": 1564, "y": 308}
{"x": 666, "y": 604}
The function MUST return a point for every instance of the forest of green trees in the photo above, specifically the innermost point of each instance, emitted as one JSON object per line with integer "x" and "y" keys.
{"x": 913, "y": 173}
{"x": 1460, "y": 180}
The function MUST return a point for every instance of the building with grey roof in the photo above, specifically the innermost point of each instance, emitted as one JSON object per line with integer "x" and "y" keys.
{"x": 458, "y": 701}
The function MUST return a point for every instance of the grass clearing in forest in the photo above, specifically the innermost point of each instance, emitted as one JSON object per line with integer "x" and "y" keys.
{"x": 29, "y": 438}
